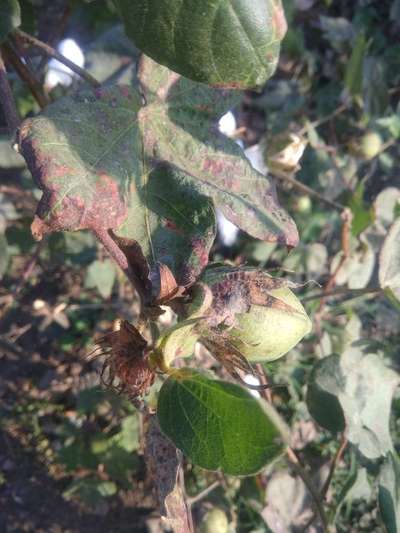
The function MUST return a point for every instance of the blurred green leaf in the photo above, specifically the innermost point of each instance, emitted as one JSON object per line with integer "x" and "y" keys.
{"x": 322, "y": 394}
{"x": 363, "y": 213}
{"x": 10, "y": 17}
{"x": 102, "y": 275}
{"x": 4, "y": 256}
{"x": 90, "y": 490}
{"x": 354, "y": 391}
{"x": 354, "y": 70}
{"x": 389, "y": 261}
{"x": 90, "y": 399}
{"x": 217, "y": 424}
{"x": 128, "y": 437}
{"x": 389, "y": 493}
{"x": 78, "y": 454}
{"x": 120, "y": 464}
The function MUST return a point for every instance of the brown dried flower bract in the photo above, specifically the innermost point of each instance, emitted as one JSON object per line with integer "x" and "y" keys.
{"x": 126, "y": 367}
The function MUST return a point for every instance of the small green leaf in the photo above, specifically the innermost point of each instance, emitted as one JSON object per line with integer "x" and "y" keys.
{"x": 354, "y": 71}
{"x": 322, "y": 401}
{"x": 217, "y": 424}
{"x": 101, "y": 274}
{"x": 10, "y": 17}
{"x": 128, "y": 437}
{"x": 90, "y": 490}
{"x": 354, "y": 392}
{"x": 231, "y": 43}
{"x": 389, "y": 261}
{"x": 389, "y": 493}
{"x": 363, "y": 213}
{"x": 4, "y": 255}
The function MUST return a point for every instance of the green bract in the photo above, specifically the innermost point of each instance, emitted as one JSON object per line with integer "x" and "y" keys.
{"x": 228, "y": 43}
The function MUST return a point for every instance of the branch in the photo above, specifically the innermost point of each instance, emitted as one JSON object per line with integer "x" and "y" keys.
{"x": 51, "y": 52}
{"x": 295, "y": 462}
{"x": 7, "y": 100}
{"x": 122, "y": 261}
{"x": 343, "y": 291}
{"x": 204, "y": 493}
{"x": 282, "y": 176}
{"x": 316, "y": 497}
{"x": 26, "y": 75}
{"x": 323, "y": 120}
{"x": 334, "y": 463}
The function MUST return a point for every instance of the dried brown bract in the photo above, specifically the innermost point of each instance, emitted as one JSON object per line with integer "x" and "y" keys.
{"x": 126, "y": 367}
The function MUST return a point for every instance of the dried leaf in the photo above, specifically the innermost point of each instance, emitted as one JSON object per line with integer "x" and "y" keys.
{"x": 164, "y": 462}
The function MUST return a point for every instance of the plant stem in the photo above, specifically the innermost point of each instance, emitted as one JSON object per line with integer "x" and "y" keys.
{"x": 122, "y": 261}
{"x": 204, "y": 493}
{"x": 51, "y": 52}
{"x": 335, "y": 461}
{"x": 26, "y": 75}
{"x": 282, "y": 176}
{"x": 297, "y": 465}
{"x": 343, "y": 291}
{"x": 7, "y": 100}
{"x": 323, "y": 120}
{"x": 302, "y": 473}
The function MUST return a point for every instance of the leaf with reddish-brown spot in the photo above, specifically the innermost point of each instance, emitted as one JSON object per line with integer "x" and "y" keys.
{"x": 145, "y": 166}
{"x": 183, "y": 114}
{"x": 86, "y": 152}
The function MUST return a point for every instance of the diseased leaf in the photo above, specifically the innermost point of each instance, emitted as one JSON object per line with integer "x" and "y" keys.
{"x": 389, "y": 262}
{"x": 354, "y": 392}
{"x": 10, "y": 17}
{"x": 389, "y": 493}
{"x": 216, "y": 165}
{"x": 231, "y": 43}
{"x": 217, "y": 424}
{"x": 105, "y": 160}
{"x": 86, "y": 154}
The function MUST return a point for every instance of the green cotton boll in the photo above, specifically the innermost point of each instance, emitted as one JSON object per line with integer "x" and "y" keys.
{"x": 248, "y": 309}
{"x": 266, "y": 334}
{"x": 215, "y": 521}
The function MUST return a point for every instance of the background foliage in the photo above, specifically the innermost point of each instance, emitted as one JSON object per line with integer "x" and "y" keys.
{"x": 70, "y": 451}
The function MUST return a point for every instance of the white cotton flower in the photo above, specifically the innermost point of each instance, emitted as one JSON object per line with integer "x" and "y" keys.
{"x": 57, "y": 72}
{"x": 228, "y": 232}
{"x": 227, "y": 124}
{"x": 252, "y": 380}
